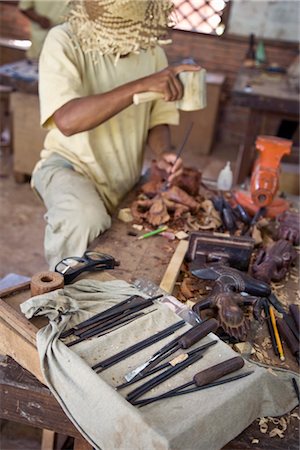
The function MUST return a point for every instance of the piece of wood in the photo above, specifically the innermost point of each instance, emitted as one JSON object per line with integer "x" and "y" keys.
{"x": 173, "y": 269}
{"x": 48, "y": 439}
{"x": 20, "y": 349}
{"x": 18, "y": 322}
{"x": 82, "y": 444}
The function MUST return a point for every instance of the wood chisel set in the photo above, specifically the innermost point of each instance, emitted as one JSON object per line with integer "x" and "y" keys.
{"x": 162, "y": 365}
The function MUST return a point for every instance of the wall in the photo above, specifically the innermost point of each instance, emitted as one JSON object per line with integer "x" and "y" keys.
{"x": 270, "y": 19}
{"x": 215, "y": 53}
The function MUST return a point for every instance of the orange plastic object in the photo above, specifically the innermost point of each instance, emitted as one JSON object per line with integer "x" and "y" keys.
{"x": 265, "y": 176}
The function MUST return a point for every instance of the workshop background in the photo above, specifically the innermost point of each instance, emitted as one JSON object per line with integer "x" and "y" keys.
{"x": 216, "y": 34}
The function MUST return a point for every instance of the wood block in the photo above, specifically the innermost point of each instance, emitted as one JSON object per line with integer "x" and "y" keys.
{"x": 173, "y": 269}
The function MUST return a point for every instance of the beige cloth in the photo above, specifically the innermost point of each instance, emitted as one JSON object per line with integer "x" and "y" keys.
{"x": 199, "y": 421}
{"x": 54, "y": 10}
{"x": 110, "y": 155}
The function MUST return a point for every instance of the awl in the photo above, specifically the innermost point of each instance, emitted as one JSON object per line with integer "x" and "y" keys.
{"x": 186, "y": 340}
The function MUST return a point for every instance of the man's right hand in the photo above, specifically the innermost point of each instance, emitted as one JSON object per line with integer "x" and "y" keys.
{"x": 166, "y": 81}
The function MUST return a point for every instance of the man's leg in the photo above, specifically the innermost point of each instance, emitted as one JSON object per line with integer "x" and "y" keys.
{"x": 75, "y": 212}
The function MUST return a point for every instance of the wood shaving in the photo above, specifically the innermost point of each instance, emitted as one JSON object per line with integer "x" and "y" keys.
{"x": 276, "y": 432}
{"x": 255, "y": 441}
{"x": 179, "y": 359}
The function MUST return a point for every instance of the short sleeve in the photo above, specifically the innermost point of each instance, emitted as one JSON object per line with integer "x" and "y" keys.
{"x": 59, "y": 74}
{"x": 163, "y": 112}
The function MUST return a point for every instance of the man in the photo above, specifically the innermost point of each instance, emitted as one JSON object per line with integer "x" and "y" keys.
{"x": 90, "y": 68}
{"x": 43, "y": 14}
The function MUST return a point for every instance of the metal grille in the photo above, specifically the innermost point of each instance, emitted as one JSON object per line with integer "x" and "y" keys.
{"x": 202, "y": 16}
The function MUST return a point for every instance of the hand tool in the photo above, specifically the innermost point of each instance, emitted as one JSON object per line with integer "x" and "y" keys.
{"x": 296, "y": 387}
{"x": 273, "y": 300}
{"x": 233, "y": 279}
{"x": 165, "y": 365}
{"x": 295, "y": 313}
{"x": 153, "y": 233}
{"x": 265, "y": 178}
{"x": 194, "y": 91}
{"x": 91, "y": 261}
{"x": 166, "y": 184}
{"x": 130, "y": 304}
{"x": 102, "y": 330}
{"x": 137, "y": 347}
{"x": 205, "y": 247}
{"x": 201, "y": 378}
{"x": 289, "y": 339}
{"x": 155, "y": 381}
{"x": 184, "y": 341}
{"x": 176, "y": 392}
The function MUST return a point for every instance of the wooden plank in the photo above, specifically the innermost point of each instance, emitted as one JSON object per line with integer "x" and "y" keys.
{"x": 18, "y": 322}
{"x": 20, "y": 349}
{"x": 48, "y": 439}
{"x": 173, "y": 269}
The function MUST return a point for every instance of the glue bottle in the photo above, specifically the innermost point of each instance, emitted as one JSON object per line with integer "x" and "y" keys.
{"x": 225, "y": 177}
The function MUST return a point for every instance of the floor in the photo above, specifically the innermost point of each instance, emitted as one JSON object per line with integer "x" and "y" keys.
{"x": 21, "y": 244}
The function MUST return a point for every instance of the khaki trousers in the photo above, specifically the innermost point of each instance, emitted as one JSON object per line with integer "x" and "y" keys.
{"x": 75, "y": 212}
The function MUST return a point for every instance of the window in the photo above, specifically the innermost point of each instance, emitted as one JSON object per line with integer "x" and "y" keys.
{"x": 202, "y": 16}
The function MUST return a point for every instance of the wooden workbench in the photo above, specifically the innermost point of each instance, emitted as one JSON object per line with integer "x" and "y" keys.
{"x": 265, "y": 94}
{"x": 139, "y": 259}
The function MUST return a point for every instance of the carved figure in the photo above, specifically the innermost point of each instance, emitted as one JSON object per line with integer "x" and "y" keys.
{"x": 273, "y": 263}
{"x": 289, "y": 227}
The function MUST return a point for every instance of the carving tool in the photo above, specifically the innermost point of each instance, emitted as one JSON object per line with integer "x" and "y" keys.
{"x": 102, "y": 330}
{"x": 276, "y": 333}
{"x": 166, "y": 184}
{"x": 186, "y": 340}
{"x": 165, "y": 365}
{"x": 175, "y": 392}
{"x": 289, "y": 339}
{"x": 137, "y": 347}
{"x": 155, "y": 381}
{"x": 133, "y": 304}
{"x": 295, "y": 313}
{"x": 202, "y": 378}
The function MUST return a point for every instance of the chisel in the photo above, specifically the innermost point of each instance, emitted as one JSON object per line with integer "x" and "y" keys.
{"x": 186, "y": 340}
{"x": 204, "y": 377}
{"x": 137, "y": 347}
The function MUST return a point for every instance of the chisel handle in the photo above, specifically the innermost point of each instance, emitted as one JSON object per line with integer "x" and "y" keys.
{"x": 288, "y": 337}
{"x": 198, "y": 332}
{"x": 144, "y": 97}
{"x": 295, "y": 313}
{"x": 219, "y": 370}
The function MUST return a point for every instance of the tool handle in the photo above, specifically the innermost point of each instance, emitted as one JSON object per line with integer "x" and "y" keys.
{"x": 144, "y": 97}
{"x": 288, "y": 336}
{"x": 295, "y": 313}
{"x": 198, "y": 332}
{"x": 217, "y": 371}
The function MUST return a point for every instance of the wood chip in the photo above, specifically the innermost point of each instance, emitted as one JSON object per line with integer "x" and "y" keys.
{"x": 276, "y": 432}
{"x": 125, "y": 215}
{"x": 181, "y": 235}
{"x": 179, "y": 359}
{"x": 255, "y": 441}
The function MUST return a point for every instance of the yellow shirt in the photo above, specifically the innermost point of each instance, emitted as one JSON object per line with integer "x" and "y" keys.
{"x": 54, "y": 10}
{"x": 111, "y": 155}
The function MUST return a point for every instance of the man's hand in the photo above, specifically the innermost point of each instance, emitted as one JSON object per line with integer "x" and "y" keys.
{"x": 168, "y": 162}
{"x": 166, "y": 81}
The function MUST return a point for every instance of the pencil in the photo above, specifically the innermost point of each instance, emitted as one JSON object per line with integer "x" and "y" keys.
{"x": 276, "y": 333}
{"x": 270, "y": 327}
{"x": 152, "y": 233}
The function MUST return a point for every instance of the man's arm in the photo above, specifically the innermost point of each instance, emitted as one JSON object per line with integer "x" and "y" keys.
{"x": 43, "y": 21}
{"x": 86, "y": 113}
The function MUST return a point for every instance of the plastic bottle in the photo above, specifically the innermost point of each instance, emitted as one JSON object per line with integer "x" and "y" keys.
{"x": 225, "y": 178}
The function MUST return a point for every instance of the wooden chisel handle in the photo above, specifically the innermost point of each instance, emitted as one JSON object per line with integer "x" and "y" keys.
{"x": 288, "y": 337}
{"x": 144, "y": 97}
{"x": 295, "y": 312}
{"x": 198, "y": 332}
{"x": 219, "y": 370}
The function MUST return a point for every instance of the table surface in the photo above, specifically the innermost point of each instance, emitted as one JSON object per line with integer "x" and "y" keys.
{"x": 148, "y": 259}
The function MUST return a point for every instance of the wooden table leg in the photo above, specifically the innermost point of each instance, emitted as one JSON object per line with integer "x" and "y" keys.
{"x": 82, "y": 444}
{"x": 48, "y": 438}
